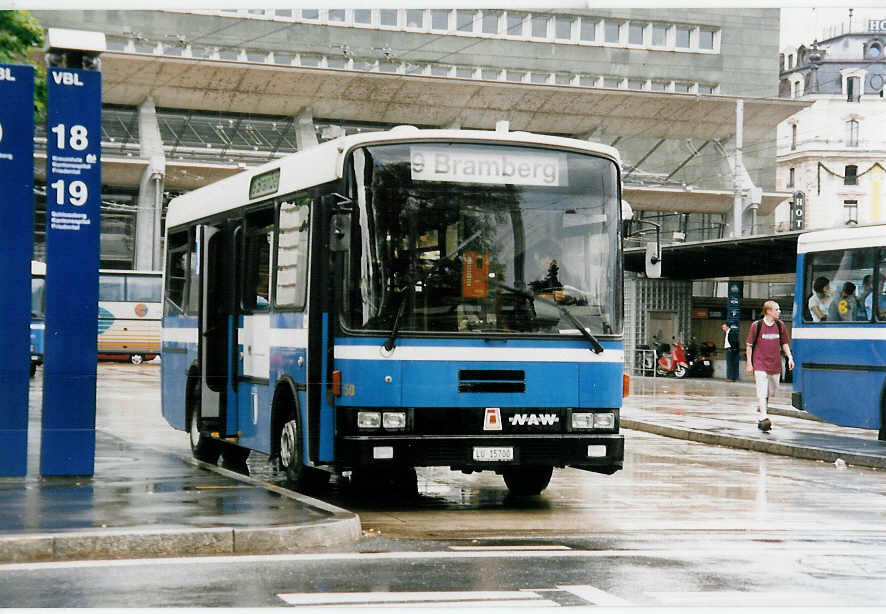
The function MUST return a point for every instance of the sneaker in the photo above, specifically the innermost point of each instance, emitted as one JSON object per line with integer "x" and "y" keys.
{"x": 764, "y": 425}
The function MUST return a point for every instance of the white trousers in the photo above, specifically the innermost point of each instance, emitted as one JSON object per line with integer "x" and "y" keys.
{"x": 767, "y": 384}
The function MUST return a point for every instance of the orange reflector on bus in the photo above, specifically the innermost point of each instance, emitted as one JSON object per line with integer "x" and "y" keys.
{"x": 626, "y": 386}
{"x": 336, "y": 383}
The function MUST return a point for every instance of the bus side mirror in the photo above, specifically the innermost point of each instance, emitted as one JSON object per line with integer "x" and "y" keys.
{"x": 340, "y": 232}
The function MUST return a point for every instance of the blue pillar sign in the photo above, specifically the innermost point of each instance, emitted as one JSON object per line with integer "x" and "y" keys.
{"x": 17, "y": 229}
{"x": 73, "y": 199}
{"x": 733, "y": 302}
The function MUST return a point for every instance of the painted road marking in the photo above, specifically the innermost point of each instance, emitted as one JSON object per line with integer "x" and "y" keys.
{"x": 420, "y": 599}
{"x": 508, "y": 548}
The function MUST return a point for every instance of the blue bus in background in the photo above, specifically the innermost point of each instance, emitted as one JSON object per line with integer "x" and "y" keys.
{"x": 840, "y": 372}
{"x": 38, "y": 313}
{"x": 398, "y": 299}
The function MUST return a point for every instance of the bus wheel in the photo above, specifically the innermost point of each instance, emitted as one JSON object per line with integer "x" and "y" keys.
{"x": 527, "y": 481}
{"x": 203, "y": 447}
{"x": 300, "y": 476}
{"x": 136, "y": 359}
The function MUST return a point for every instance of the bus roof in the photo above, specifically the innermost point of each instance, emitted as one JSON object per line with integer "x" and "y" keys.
{"x": 873, "y": 235}
{"x": 325, "y": 162}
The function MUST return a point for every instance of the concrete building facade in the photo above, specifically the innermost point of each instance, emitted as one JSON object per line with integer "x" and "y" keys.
{"x": 192, "y": 96}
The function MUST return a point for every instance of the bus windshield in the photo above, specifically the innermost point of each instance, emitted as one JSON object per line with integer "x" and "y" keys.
{"x": 483, "y": 239}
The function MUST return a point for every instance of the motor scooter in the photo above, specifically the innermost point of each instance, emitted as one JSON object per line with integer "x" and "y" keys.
{"x": 671, "y": 360}
{"x": 699, "y": 356}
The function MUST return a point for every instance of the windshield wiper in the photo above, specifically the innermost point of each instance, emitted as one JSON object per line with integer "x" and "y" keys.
{"x": 410, "y": 286}
{"x": 595, "y": 345}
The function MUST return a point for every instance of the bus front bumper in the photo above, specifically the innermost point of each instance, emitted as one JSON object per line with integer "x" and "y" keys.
{"x": 592, "y": 452}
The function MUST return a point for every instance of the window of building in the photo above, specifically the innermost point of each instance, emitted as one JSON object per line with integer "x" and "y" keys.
{"x": 706, "y": 89}
{"x": 683, "y": 88}
{"x": 683, "y": 37}
{"x": 283, "y": 12}
{"x": 850, "y": 211}
{"x": 464, "y": 20}
{"x": 539, "y": 77}
{"x": 706, "y": 38}
{"x": 490, "y": 21}
{"x": 310, "y": 13}
{"x": 363, "y": 16}
{"x": 439, "y": 70}
{"x": 659, "y": 35}
{"x": 636, "y": 84}
{"x": 563, "y": 28}
{"x": 635, "y": 34}
{"x": 875, "y": 50}
{"x": 514, "y": 75}
{"x": 790, "y": 178}
{"x": 660, "y": 86}
{"x": 540, "y": 26}
{"x": 613, "y": 32}
{"x": 850, "y": 175}
{"x": 790, "y": 61}
{"x": 337, "y": 15}
{"x": 587, "y": 81}
{"x": 852, "y": 133}
{"x": 415, "y": 18}
{"x": 853, "y": 89}
{"x": 563, "y": 79}
{"x": 440, "y": 19}
{"x": 515, "y": 24}
{"x": 388, "y": 17}
{"x": 611, "y": 82}
{"x": 588, "y": 31}
{"x": 490, "y": 74}
{"x": 463, "y": 72}
{"x": 793, "y": 136}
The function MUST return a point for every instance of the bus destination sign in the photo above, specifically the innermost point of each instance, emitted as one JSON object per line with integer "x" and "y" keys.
{"x": 264, "y": 183}
{"x": 474, "y": 165}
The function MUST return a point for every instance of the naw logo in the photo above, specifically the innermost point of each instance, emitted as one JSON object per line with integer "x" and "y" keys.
{"x": 534, "y": 419}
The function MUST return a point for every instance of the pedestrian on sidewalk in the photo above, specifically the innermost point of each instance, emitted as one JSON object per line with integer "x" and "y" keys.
{"x": 730, "y": 342}
{"x": 767, "y": 338}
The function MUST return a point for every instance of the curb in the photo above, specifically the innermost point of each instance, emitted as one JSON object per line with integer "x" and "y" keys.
{"x": 343, "y": 527}
{"x": 756, "y": 445}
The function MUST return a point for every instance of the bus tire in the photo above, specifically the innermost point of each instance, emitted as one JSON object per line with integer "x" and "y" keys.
{"x": 527, "y": 481}
{"x": 300, "y": 476}
{"x": 203, "y": 447}
{"x": 881, "y": 435}
{"x": 136, "y": 359}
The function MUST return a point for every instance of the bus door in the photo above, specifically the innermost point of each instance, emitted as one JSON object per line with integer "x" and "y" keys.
{"x": 217, "y": 272}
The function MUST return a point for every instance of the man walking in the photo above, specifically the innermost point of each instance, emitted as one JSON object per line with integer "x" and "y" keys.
{"x": 731, "y": 344}
{"x": 767, "y": 338}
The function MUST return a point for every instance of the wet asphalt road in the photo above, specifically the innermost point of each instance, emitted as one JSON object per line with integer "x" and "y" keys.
{"x": 683, "y": 524}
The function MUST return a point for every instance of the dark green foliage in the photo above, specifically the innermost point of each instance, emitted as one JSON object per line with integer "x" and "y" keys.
{"x": 20, "y": 35}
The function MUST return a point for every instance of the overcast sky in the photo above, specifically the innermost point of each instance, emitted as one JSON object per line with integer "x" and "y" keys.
{"x": 800, "y": 26}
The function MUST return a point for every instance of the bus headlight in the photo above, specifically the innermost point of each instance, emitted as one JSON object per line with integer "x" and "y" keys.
{"x": 394, "y": 419}
{"x": 604, "y": 420}
{"x": 583, "y": 421}
{"x": 368, "y": 419}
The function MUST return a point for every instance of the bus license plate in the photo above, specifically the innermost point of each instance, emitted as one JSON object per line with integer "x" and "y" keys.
{"x": 490, "y": 454}
{"x": 707, "y": 363}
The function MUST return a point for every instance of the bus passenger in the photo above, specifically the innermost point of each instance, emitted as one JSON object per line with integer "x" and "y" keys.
{"x": 820, "y": 299}
{"x": 881, "y": 301}
{"x": 867, "y": 285}
{"x": 844, "y": 307}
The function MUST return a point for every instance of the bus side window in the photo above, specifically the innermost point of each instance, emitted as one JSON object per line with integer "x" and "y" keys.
{"x": 292, "y": 253}
{"x": 257, "y": 273}
{"x": 176, "y": 273}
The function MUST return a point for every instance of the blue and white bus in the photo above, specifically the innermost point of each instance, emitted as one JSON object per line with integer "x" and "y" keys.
{"x": 840, "y": 372}
{"x": 398, "y": 299}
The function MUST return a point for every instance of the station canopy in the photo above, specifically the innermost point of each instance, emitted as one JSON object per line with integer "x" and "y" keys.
{"x": 745, "y": 257}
